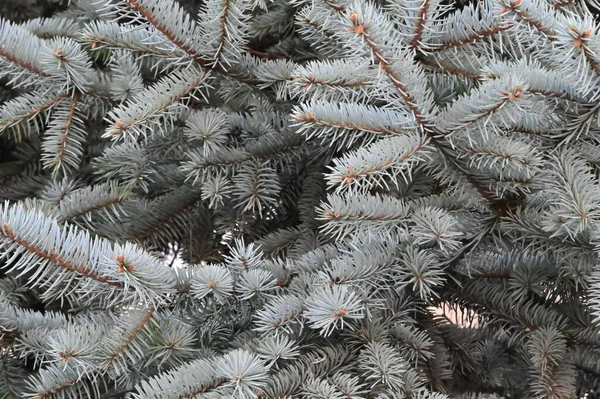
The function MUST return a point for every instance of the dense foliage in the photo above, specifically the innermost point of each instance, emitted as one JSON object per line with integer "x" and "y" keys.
{"x": 300, "y": 199}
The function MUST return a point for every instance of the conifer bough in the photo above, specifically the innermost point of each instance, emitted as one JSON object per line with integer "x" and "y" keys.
{"x": 301, "y": 199}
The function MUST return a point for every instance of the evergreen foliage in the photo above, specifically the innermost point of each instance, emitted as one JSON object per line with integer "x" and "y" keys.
{"x": 301, "y": 199}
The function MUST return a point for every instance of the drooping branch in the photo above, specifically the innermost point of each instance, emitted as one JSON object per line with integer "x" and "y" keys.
{"x": 56, "y": 258}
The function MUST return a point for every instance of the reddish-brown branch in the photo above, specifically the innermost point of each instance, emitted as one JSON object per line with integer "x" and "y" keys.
{"x": 286, "y": 319}
{"x": 538, "y": 231}
{"x": 283, "y": 283}
{"x": 564, "y": 96}
{"x": 130, "y": 337}
{"x": 473, "y": 37}
{"x": 561, "y": 4}
{"x": 311, "y": 119}
{"x": 223, "y": 30}
{"x": 451, "y": 69}
{"x": 414, "y": 43}
{"x": 55, "y": 258}
{"x": 457, "y": 71}
{"x": 22, "y": 63}
{"x": 134, "y": 5}
{"x": 593, "y": 64}
{"x": 487, "y": 112}
{"x": 261, "y": 54}
{"x": 59, "y": 388}
{"x": 124, "y": 126}
{"x": 312, "y": 80}
{"x": 327, "y": 33}
{"x": 395, "y": 79}
{"x": 101, "y": 96}
{"x": 68, "y": 125}
{"x": 352, "y": 174}
{"x": 515, "y": 7}
{"x": 485, "y": 193}
{"x": 35, "y": 111}
{"x": 334, "y": 6}
{"x": 103, "y": 40}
